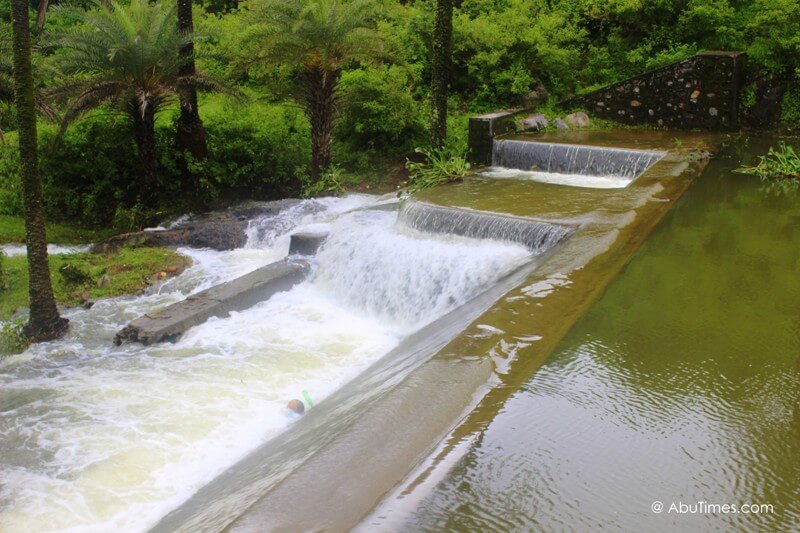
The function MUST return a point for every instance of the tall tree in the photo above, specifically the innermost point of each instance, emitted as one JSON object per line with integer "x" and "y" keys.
{"x": 130, "y": 56}
{"x": 44, "y": 322}
{"x": 313, "y": 40}
{"x": 191, "y": 136}
{"x": 41, "y": 14}
{"x": 440, "y": 67}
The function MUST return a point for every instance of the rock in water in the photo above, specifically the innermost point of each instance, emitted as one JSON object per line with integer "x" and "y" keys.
{"x": 578, "y": 120}
{"x": 560, "y": 124}
{"x": 537, "y": 122}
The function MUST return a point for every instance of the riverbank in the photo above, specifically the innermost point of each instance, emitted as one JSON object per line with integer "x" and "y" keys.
{"x": 12, "y": 230}
{"x": 80, "y": 279}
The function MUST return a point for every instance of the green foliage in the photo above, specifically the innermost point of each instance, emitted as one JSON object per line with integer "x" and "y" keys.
{"x": 12, "y": 229}
{"x": 72, "y": 274}
{"x": 127, "y": 271}
{"x": 310, "y": 34}
{"x": 258, "y": 150}
{"x": 790, "y": 106}
{"x": 378, "y": 112}
{"x": 748, "y": 98}
{"x": 125, "y": 54}
{"x": 779, "y": 170}
{"x": 329, "y": 183}
{"x": 440, "y": 167}
{"x": 12, "y": 339}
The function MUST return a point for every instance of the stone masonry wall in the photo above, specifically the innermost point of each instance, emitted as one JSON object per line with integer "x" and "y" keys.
{"x": 484, "y": 128}
{"x": 701, "y": 92}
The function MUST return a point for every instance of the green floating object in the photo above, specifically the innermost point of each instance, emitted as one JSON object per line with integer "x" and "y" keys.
{"x": 307, "y": 398}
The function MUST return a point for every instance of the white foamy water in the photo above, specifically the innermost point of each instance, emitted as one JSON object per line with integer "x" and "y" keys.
{"x": 572, "y": 180}
{"x": 97, "y": 438}
{"x": 12, "y": 250}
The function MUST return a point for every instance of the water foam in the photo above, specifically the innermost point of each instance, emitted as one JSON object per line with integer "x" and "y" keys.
{"x": 569, "y": 164}
{"x": 405, "y": 276}
{"x": 95, "y": 437}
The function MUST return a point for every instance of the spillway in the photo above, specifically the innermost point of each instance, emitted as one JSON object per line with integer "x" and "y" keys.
{"x": 569, "y": 164}
{"x": 96, "y": 437}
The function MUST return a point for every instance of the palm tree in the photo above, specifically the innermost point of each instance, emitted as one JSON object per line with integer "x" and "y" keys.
{"x": 440, "y": 65}
{"x": 6, "y": 79}
{"x": 128, "y": 56}
{"x": 44, "y": 322}
{"x": 313, "y": 40}
{"x": 191, "y": 136}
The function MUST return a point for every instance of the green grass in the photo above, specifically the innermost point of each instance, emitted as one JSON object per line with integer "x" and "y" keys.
{"x": 128, "y": 271}
{"x": 12, "y": 229}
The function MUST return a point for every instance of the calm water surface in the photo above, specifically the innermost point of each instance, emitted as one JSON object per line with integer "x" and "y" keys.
{"x": 682, "y": 384}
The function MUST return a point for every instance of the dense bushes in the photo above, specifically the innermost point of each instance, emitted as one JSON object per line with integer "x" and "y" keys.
{"x": 377, "y": 114}
{"x": 502, "y": 51}
{"x": 258, "y": 151}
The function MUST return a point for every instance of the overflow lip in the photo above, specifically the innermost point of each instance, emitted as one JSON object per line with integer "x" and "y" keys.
{"x": 463, "y": 228}
{"x": 169, "y": 323}
{"x": 579, "y": 159}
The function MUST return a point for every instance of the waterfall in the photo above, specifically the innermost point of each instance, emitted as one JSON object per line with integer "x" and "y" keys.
{"x": 97, "y": 437}
{"x": 536, "y": 235}
{"x": 371, "y": 267}
{"x": 573, "y": 158}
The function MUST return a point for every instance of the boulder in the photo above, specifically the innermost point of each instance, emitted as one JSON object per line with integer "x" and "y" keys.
{"x": 560, "y": 124}
{"x": 578, "y": 120}
{"x": 222, "y": 230}
{"x": 537, "y": 95}
{"x": 537, "y": 122}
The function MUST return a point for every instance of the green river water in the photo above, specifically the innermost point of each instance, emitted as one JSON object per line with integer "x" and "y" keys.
{"x": 680, "y": 385}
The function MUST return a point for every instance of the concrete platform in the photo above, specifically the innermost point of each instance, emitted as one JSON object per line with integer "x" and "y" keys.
{"x": 170, "y": 323}
{"x": 405, "y": 418}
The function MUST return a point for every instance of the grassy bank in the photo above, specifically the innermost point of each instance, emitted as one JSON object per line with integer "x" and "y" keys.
{"x": 12, "y": 229}
{"x": 86, "y": 277}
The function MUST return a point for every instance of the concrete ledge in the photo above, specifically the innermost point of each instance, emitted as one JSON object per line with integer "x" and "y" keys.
{"x": 306, "y": 243}
{"x": 241, "y": 293}
{"x": 484, "y": 128}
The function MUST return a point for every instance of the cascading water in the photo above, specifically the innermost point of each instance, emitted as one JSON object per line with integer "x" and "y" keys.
{"x": 569, "y": 164}
{"x": 96, "y": 437}
{"x": 538, "y": 236}
{"x": 407, "y": 278}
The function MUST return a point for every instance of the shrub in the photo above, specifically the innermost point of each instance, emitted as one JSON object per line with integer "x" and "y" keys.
{"x": 12, "y": 339}
{"x": 439, "y": 167}
{"x": 258, "y": 151}
{"x": 790, "y": 106}
{"x": 779, "y": 170}
{"x": 378, "y": 113}
{"x": 91, "y": 176}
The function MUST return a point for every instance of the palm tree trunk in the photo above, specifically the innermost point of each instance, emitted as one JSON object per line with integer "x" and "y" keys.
{"x": 191, "y": 136}
{"x": 44, "y": 322}
{"x": 440, "y": 76}
{"x": 144, "y": 131}
{"x": 41, "y": 14}
{"x": 320, "y": 106}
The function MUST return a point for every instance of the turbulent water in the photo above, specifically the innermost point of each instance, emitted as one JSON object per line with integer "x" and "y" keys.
{"x": 12, "y": 250}
{"x": 537, "y": 235}
{"x": 565, "y": 164}
{"x": 95, "y": 437}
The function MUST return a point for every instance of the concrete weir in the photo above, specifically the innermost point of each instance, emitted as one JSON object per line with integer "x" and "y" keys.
{"x": 573, "y": 158}
{"x": 171, "y": 322}
{"x": 536, "y": 235}
{"x": 390, "y": 428}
